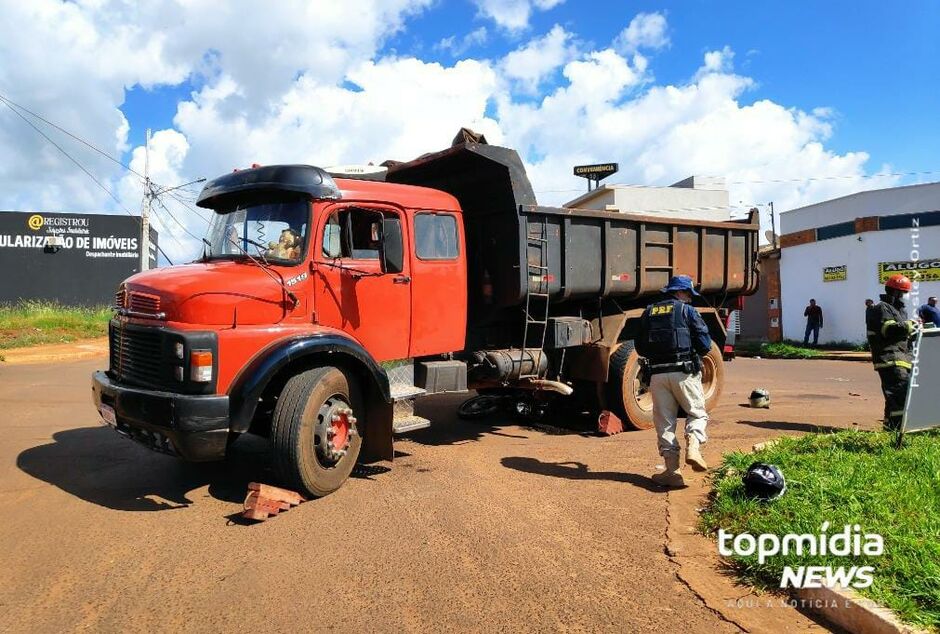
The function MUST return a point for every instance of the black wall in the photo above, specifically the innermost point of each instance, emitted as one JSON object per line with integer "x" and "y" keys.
{"x": 100, "y": 251}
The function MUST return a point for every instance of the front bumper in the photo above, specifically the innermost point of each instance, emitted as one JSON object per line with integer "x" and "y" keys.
{"x": 195, "y": 427}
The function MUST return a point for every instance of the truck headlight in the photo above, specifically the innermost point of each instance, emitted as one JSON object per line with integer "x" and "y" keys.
{"x": 200, "y": 366}
{"x": 179, "y": 349}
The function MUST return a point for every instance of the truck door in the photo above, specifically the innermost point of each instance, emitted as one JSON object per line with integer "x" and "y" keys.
{"x": 439, "y": 289}
{"x": 350, "y": 291}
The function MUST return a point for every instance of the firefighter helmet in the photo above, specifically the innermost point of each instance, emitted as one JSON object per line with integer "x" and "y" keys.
{"x": 899, "y": 282}
{"x": 764, "y": 482}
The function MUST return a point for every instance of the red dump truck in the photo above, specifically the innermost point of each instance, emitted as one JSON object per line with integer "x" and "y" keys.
{"x": 323, "y": 307}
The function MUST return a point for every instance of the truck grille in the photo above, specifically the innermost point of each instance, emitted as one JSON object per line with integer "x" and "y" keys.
{"x": 137, "y": 355}
{"x": 144, "y": 303}
{"x": 120, "y": 298}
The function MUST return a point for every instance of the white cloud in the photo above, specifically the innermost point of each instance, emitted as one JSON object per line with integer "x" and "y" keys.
{"x": 646, "y": 30}
{"x": 718, "y": 61}
{"x": 513, "y": 15}
{"x": 530, "y": 64}
{"x": 458, "y": 46}
{"x": 324, "y": 95}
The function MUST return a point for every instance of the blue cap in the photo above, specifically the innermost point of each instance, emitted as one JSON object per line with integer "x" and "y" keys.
{"x": 680, "y": 283}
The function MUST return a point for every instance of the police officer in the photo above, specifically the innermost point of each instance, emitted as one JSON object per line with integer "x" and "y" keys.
{"x": 672, "y": 339}
{"x": 889, "y": 335}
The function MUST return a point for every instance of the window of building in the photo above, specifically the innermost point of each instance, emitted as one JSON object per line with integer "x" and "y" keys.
{"x": 436, "y": 236}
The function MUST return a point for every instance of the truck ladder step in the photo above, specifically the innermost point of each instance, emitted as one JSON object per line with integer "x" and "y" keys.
{"x": 401, "y": 392}
{"x": 410, "y": 423}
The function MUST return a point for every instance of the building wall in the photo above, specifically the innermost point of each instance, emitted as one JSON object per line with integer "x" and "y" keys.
{"x": 760, "y": 317}
{"x": 879, "y": 202}
{"x": 843, "y": 302}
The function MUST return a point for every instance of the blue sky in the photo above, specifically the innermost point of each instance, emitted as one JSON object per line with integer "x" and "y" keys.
{"x": 877, "y": 64}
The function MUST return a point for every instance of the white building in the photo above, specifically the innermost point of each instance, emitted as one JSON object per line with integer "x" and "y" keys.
{"x": 701, "y": 197}
{"x": 840, "y": 251}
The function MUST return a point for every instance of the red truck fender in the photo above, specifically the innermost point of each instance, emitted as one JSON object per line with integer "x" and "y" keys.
{"x": 270, "y": 369}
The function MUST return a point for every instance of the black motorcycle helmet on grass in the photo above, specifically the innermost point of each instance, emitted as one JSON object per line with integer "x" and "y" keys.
{"x": 764, "y": 482}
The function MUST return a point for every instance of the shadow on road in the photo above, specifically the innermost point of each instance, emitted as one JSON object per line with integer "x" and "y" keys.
{"x": 578, "y": 471}
{"x": 99, "y": 466}
{"x": 791, "y": 426}
{"x": 448, "y": 429}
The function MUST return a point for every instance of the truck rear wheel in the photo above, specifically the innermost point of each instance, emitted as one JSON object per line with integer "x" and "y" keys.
{"x": 314, "y": 431}
{"x": 629, "y": 399}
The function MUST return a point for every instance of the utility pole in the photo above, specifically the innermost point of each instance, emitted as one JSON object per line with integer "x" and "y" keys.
{"x": 145, "y": 211}
{"x": 773, "y": 224}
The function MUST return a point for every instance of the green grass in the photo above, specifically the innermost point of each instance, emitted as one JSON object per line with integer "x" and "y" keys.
{"x": 846, "y": 478}
{"x": 790, "y": 349}
{"x": 787, "y": 351}
{"x": 30, "y": 323}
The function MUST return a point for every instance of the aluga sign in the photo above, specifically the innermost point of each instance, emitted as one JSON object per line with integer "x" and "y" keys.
{"x": 849, "y": 542}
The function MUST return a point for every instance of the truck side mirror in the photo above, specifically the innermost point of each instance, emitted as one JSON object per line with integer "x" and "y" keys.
{"x": 392, "y": 247}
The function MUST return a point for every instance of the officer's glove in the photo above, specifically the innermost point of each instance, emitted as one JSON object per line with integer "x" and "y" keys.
{"x": 914, "y": 327}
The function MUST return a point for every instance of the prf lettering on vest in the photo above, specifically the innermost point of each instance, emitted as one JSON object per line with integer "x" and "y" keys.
{"x": 661, "y": 310}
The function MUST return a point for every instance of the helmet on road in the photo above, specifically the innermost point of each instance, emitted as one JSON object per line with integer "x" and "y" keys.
{"x": 899, "y": 282}
{"x": 760, "y": 398}
{"x": 764, "y": 482}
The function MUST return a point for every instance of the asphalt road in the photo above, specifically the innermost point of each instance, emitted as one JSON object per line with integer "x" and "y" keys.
{"x": 487, "y": 526}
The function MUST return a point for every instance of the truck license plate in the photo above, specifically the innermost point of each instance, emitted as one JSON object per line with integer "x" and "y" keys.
{"x": 107, "y": 413}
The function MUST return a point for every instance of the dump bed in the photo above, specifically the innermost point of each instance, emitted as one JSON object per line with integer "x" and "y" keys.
{"x": 590, "y": 253}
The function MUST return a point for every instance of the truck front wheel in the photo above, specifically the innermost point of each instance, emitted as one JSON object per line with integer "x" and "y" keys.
{"x": 314, "y": 431}
{"x": 631, "y": 400}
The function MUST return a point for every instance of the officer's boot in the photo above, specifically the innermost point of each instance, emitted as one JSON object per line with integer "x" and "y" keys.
{"x": 693, "y": 454}
{"x": 672, "y": 476}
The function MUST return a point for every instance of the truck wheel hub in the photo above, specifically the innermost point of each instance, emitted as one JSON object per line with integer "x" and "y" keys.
{"x": 335, "y": 429}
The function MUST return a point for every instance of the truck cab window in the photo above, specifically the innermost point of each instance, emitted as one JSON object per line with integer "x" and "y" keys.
{"x": 436, "y": 236}
{"x": 353, "y": 233}
{"x": 276, "y": 230}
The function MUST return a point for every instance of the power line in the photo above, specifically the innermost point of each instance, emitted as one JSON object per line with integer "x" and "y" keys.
{"x": 83, "y": 168}
{"x": 167, "y": 209}
{"x": 845, "y": 176}
{"x": 770, "y": 180}
{"x": 188, "y": 206}
{"x": 10, "y": 104}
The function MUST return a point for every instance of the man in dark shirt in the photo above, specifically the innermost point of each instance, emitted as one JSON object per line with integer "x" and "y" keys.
{"x": 814, "y": 322}
{"x": 929, "y": 313}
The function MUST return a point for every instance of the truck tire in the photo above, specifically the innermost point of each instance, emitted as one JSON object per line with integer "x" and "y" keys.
{"x": 634, "y": 404}
{"x": 314, "y": 431}
{"x": 625, "y": 396}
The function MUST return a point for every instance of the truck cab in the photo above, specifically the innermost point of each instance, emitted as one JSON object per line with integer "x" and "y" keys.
{"x": 299, "y": 270}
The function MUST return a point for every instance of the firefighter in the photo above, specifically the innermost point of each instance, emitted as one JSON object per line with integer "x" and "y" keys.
{"x": 889, "y": 335}
{"x": 672, "y": 339}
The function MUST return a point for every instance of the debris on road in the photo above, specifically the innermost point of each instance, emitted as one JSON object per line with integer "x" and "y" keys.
{"x": 609, "y": 423}
{"x": 264, "y": 500}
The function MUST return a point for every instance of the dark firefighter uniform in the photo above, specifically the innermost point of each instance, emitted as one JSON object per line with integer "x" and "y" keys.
{"x": 889, "y": 334}
{"x": 672, "y": 338}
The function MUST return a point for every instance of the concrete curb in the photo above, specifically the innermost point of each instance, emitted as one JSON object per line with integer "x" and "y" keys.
{"x": 823, "y": 356}
{"x": 852, "y": 612}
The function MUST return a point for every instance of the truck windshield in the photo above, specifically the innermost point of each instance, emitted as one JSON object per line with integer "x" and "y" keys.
{"x": 275, "y": 231}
